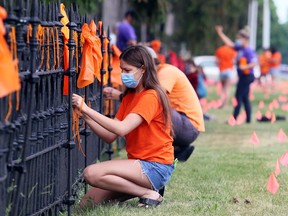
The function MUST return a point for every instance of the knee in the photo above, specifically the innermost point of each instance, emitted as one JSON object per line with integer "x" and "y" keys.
{"x": 90, "y": 175}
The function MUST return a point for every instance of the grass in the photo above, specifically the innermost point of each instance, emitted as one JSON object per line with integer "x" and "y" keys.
{"x": 226, "y": 175}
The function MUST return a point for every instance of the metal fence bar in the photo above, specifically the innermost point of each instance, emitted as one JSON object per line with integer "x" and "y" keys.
{"x": 40, "y": 170}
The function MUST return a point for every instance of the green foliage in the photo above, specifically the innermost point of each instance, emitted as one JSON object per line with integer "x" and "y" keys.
{"x": 88, "y": 7}
{"x": 195, "y": 21}
{"x": 279, "y": 32}
{"x": 151, "y": 12}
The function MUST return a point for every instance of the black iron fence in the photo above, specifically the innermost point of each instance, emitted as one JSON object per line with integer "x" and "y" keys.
{"x": 41, "y": 161}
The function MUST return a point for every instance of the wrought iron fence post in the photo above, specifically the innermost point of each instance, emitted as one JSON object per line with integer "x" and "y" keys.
{"x": 19, "y": 33}
{"x": 109, "y": 151}
{"x": 32, "y": 78}
{"x": 70, "y": 140}
{"x": 102, "y": 73}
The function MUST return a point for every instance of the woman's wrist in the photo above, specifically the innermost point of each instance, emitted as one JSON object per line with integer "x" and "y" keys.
{"x": 121, "y": 96}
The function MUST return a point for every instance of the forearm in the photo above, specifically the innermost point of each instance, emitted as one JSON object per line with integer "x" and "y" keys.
{"x": 104, "y": 134}
{"x": 120, "y": 128}
{"x": 106, "y": 123}
{"x": 249, "y": 66}
{"x": 226, "y": 40}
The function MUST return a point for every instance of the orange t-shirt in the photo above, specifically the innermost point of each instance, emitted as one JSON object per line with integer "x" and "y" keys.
{"x": 276, "y": 56}
{"x": 151, "y": 140}
{"x": 264, "y": 63}
{"x": 225, "y": 56}
{"x": 182, "y": 95}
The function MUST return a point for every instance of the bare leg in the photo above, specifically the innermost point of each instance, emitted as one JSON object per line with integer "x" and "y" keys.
{"x": 225, "y": 94}
{"x": 118, "y": 176}
{"x": 97, "y": 195}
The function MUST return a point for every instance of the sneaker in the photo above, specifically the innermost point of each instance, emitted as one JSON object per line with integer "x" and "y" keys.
{"x": 184, "y": 153}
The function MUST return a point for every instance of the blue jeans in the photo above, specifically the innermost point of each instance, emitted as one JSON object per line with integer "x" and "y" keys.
{"x": 158, "y": 174}
{"x": 185, "y": 132}
{"x": 242, "y": 96}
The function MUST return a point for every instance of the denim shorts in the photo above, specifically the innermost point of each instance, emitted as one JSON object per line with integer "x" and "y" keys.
{"x": 226, "y": 75}
{"x": 274, "y": 71}
{"x": 158, "y": 174}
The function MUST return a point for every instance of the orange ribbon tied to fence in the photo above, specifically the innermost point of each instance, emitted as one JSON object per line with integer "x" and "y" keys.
{"x": 91, "y": 56}
{"x": 116, "y": 72}
{"x": 9, "y": 81}
{"x": 65, "y": 31}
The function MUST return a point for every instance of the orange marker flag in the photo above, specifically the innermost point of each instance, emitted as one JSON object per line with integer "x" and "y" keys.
{"x": 282, "y": 99}
{"x": 268, "y": 114}
{"x": 231, "y": 121}
{"x": 281, "y": 136}
{"x": 284, "y": 159}
{"x": 261, "y": 104}
{"x": 254, "y": 139}
{"x": 273, "y": 118}
{"x": 284, "y": 107}
{"x": 234, "y": 102}
{"x": 272, "y": 184}
{"x": 259, "y": 115}
{"x": 275, "y": 104}
{"x": 277, "y": 168}
{"x": 251, "y": 96}
{"x": 271, "y": 106}
{"x": 241, "y": 118}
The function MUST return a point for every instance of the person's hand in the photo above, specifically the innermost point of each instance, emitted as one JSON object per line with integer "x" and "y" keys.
{"x": 111, "y": 93}
{"x": 78, "y": 102}
{"x": 218, "y": 28}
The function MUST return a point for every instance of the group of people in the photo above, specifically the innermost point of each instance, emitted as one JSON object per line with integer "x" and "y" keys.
{"x": 246, "y": 59}
{"x": 159, "y": 116}
{"x": 269, "y": 61}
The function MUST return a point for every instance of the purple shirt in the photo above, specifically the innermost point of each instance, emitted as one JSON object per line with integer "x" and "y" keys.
{"x": 249, "y": 54}
{"x": 125, "y": 33}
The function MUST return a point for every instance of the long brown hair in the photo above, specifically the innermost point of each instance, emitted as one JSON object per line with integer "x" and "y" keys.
{"x": 138, "y": 56}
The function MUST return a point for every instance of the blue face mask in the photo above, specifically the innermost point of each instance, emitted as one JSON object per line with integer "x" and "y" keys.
{"x": 129, "y": 80}
{"x": 238, "y": 42}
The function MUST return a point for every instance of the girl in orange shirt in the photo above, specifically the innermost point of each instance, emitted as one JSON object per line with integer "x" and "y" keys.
{"x": 144, "y": 120}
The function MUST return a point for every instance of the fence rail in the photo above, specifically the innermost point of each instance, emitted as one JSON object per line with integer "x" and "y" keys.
{"x": 40, "y": 160}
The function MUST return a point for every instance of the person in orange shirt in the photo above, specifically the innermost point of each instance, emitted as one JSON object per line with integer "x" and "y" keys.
{"x": 187, "y": 115}
{"x": 264, "y": 65}
{"x": 275, "y": 62}
{"x": 225, "y": 56}
{"x": 156, "y": 46}
{"x": 144, "y": 120}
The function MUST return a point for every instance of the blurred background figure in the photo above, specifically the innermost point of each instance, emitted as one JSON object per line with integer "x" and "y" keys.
{"x": 275, "y": 62}
{"x": 225, "y": 56}
{"x": 264, "y": 57}
{"x": 156, "y": 46}
{"x": 246, "y": 61}
{"x": 191, "y": 72}
{"x": 126, "y": 33}
{"x": 197, "y": 79}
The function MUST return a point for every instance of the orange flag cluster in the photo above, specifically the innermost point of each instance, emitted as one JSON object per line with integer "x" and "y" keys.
{"x": 272, "y": 185}
{"x": 10, "y": 81}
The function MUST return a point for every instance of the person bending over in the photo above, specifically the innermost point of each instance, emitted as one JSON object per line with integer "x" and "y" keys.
{"x": 186, "y": 112}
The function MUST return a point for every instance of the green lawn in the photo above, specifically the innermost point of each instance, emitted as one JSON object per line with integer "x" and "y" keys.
{"x": 226, "y": 175}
